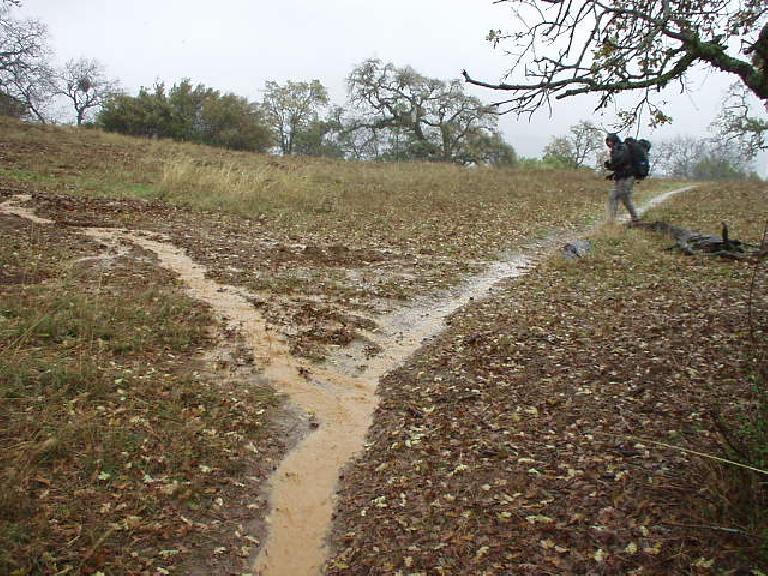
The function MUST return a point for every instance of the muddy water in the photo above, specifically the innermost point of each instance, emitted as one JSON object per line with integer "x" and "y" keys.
{"x": 12, "y": 207}
{"x": 402, "y": 332}
{"x": 661, "y": 198}
{"x": 339, "y": 397}
{"x": 341, "y": 407}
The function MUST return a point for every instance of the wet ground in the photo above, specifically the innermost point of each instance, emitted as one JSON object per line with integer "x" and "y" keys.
{"x": 324, "y": 323}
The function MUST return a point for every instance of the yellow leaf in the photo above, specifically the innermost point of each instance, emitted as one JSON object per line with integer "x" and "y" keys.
{"x": 599, "y": 556}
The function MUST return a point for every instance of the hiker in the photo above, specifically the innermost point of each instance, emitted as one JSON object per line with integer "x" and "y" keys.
{"x": 623, "y": 177}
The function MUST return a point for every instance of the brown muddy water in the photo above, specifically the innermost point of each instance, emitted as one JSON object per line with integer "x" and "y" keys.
{"x": 339, "y": 397}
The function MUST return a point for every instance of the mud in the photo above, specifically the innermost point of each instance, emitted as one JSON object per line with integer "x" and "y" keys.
{"x": 12, "y": 207}
{"x": 339, "y": 408}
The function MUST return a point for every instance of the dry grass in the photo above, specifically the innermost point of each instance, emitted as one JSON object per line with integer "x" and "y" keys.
{"x": 105, "y": 426}
{"x": 737, "y": 497}
{"x": 400, "y": 203}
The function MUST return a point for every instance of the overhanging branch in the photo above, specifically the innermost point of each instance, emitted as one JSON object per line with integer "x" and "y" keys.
{"x": 572, "y": 47}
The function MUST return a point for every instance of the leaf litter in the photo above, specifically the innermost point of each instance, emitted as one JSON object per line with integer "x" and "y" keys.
{"x": 529, "y": 438}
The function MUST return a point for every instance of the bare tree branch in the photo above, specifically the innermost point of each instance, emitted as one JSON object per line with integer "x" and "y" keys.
{"x": 24, "y": 73}
{"x": 564, "y": 48}
{"x": 86, "y": 85}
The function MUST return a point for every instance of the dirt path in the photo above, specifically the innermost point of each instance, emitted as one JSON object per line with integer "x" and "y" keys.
{"x": 339, "y": 397}
{"x": 402, "y": 332}
{"x": 340, "y": 407}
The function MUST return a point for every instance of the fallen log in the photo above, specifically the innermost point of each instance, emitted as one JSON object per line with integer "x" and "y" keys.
{"x": 692, "y": 242}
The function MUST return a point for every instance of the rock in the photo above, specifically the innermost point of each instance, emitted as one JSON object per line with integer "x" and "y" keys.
{"x": 576, "y": 249}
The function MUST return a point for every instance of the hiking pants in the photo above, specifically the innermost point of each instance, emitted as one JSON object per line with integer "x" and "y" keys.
{"x": 622, "y": 191}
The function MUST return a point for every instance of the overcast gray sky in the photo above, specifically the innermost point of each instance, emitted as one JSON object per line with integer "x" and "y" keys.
{"x": 236, "y": 45}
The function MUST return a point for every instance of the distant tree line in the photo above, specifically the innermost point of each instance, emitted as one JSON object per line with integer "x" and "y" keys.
{"x": 188, "y": 113}
{"x": 685, "y": 157}
{"x": 391, "y": 113}
{"x": 702, "y": 159}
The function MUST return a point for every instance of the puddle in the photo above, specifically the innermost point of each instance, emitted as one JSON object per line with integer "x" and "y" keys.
{"x": 26, "y": 212}
{"x": 340, "y": 407}
{"x": 339, "y": 396}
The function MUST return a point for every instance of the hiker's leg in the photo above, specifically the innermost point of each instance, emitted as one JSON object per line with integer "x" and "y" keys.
{"x": 613, "y": 201}
{"x": 628, "y": 200}
{"x": 631, "y": 207}
{"x": 624, "y": 187}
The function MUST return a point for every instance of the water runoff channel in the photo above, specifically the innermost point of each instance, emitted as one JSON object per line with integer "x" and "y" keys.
{"x": 340, "y": 395}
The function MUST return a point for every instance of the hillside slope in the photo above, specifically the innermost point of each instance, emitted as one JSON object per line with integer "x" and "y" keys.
{"x": 142, "y": 420}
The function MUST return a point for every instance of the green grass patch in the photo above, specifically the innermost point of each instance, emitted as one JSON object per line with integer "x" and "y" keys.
{"x": 22, "y": 175}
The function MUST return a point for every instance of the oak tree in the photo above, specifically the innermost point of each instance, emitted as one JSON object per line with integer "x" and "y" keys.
{"x": 293, "y": 108}
{"x": 420, "y": 117}
{"x": 606, "y": 47}
{"x": 741, "y": 124}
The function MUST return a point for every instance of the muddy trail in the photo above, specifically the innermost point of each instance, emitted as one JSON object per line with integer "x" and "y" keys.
{"x": 337, "y": 397}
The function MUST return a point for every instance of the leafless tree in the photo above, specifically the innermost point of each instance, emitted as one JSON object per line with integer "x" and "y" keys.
{"x": 85, "y": 84}
{"x": 677, "y": 157}
{"x": 739, "y": 123}
{"x": 604, "y": 47}
{"x": 701, "y": 158}
{"x": 24, "y": 73}
{"x": 587, "y": 140}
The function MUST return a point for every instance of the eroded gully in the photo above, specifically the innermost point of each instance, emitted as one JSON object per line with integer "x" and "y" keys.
{"x": 340, "y": 395}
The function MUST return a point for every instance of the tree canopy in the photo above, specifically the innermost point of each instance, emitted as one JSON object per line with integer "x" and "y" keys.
{"x": 293, "y": 110}
{"x": 25, "y": 76}
{"x": 583, "y": 143}
{"x": 187, "y": 112}
{"x": 422, "y": 117}
{"x": 737, "y": 124}
{"x": 571, "y": 47}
